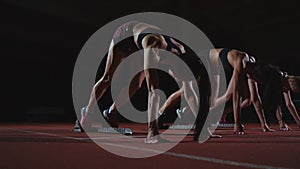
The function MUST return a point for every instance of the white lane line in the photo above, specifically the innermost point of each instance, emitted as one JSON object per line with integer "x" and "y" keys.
{"x": 66, "y": 137}
{"x": 192, "y": 157}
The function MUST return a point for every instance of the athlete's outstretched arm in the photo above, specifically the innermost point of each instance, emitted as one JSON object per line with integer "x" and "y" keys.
{"x": 282, "y": 125}
{"x": 255, "y": 99}
{"x": 291, "y": 107}
{"x": 215, "y": 85}
{"x": 236, "y": 97}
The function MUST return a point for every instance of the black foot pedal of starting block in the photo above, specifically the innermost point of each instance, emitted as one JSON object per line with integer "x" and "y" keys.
{"x": 77, "y": 127}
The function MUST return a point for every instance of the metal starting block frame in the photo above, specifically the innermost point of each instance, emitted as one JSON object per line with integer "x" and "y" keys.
{"x": 112, "y": 130}
{"x": 223, "y": 125}
{"x": 190, "y": 127}
{"x": 125, "y": 131}
{"x": 181, "y": 127}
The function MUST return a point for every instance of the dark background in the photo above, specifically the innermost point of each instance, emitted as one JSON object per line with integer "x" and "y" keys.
{"x": 41, "y": 39}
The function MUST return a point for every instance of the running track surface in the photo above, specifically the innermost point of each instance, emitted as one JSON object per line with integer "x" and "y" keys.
{"x": 55, "y": 146}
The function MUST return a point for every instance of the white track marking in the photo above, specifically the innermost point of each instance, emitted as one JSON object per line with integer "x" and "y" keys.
{"x": 193, "y": 157}
{"x": 186, "y": 156}
{"x": 66, "y": 137}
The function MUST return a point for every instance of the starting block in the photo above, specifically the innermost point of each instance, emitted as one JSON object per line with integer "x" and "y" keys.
{"x": 125, "y": 131}
{"x": 223, "y": 125}
{"x": 181, "y": 127}
{"x": 190, "y": 127}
